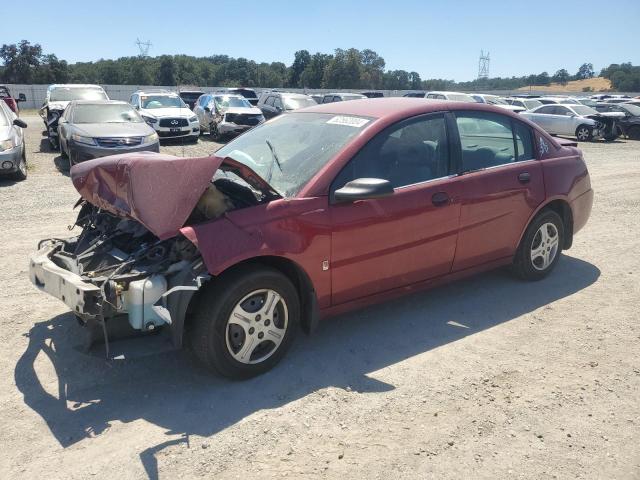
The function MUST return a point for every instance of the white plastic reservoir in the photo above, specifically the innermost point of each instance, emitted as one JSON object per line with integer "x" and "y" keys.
{"x": 142, "y": 294}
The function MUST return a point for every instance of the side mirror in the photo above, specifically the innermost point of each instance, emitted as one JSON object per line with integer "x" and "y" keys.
{"x": 22, "y": 97}
{"x": 20, "y": 123}
{"x": 364, "y": 189}
{"x": 278, "y": 109}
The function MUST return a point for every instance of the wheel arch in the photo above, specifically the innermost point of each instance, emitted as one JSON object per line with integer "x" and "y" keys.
{"x": 310, "y": 312}
{"x": 562, "y": 207}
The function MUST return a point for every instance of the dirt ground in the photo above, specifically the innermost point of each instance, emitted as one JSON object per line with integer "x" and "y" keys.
{"x": 490, "y": 377}
{"x": 596, "y": 84}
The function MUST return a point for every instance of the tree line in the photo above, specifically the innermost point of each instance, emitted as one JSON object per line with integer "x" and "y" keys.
{"x": 26, "y": 63}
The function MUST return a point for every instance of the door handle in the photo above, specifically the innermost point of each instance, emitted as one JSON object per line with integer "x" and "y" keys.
{"x": 440, "y": 199}
{"x": 524, "y": 177}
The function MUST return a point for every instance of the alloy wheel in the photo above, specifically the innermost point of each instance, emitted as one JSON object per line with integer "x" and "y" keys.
{"x": 544, "y": 246}
{"x": 256, "y": 327}
{"x": 583, "y": 134}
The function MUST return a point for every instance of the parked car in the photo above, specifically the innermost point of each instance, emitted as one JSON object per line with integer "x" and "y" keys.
{"x": 341, "y": 97}
{"x": 273, "y": 104}
{"x": 11, "y": 102}
{"x": 497, "y": 101}
{"x": 56, "y": 100}
{"x": 373, "y": 94}
{"x": 248, "y": 93}
{"x": 415, "y": 94}
{"x": 452, "y": 96}
{"x": 558, "y": 100}
{"x": 190, "y": 97}
{"x": 13, "y": 155}
{"x": 317, "y": 97}
{"x": 586, "y": 101}
{"x": 91, "y": 129}
{"x": 223, "y": 114}
{"x": 577, "y": 120}
{"x": 526, "y": 103}
{"x": 167, "y": 114}
{"x": 629, "y": 123}
{"x": 322, "y": 211}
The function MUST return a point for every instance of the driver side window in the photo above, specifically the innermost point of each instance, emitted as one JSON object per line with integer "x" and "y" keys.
{"x": 412, "y": 152}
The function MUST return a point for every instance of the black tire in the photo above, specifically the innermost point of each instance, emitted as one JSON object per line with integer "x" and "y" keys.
{"x": 634, "y": 132}
{"x": 524, "y": 265}
{"x": 21, "y": 173}
{"x": 584, "y": 133}
{"x": 214, "y": 133}
{"x": 211, "y": 336}
{"x": 63, "y": 154}
{"x": 73, "y": 158}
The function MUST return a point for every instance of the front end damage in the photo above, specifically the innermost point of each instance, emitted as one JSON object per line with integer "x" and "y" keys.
{"x": 606, "y": 126}
{"x": 130, "y": 260}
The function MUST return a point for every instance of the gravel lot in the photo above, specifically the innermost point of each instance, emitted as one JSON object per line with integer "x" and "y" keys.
{"x": 486, "y": 378}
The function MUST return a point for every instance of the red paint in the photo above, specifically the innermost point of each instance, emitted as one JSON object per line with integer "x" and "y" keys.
{"x": 378, "y": 249}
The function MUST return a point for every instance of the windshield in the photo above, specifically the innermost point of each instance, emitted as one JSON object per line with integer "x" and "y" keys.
{"x": 302, "y": 142}
{"x": 530, "y": 104}
{"x": 114, "y": 113}
{"x": 495, "y": 100}
{"x": 632, "y": 109}
{"x": 583, "y": 110}
{"x": 460, "y": 97}
{"x": 161, "y": 101}
{"x": 299, "y": 102}
{"x": 231, "y": 102}
{"x": 588, "y": 102}
{"x": 66, "y": 94}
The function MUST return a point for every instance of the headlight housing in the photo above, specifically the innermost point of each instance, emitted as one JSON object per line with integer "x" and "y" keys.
{"x": 81, "y": 139}
{"x": 150, "y": 138}
{"x": 149, "y": 119}
{"x": 193, "y": 119}
{"x": 7, "y": 145}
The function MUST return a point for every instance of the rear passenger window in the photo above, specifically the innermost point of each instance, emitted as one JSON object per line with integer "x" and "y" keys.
{"x": 486, "y": 140}
{"x": 405, "y": 154}
{"x": 270, "y": 100}
{"x": 278, "y": 103}
{"x": 524, "y": 141}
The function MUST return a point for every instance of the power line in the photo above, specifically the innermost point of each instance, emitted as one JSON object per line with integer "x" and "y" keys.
{"x": 483, "y": 65}
{"x": 144, "y": 47}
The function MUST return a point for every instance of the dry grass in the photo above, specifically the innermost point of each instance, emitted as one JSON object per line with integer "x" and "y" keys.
{"x": 597, "y": 84}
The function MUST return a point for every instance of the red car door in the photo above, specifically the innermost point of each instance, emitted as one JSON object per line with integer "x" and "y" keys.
{"x": 409, "y": 236}
{"x": 501, "y": 185}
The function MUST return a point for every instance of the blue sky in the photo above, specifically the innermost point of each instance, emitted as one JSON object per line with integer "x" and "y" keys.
{"x": 436, "y": 39}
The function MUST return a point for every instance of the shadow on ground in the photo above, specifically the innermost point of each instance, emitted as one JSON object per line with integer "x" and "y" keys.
{"x": 170, "y": 391}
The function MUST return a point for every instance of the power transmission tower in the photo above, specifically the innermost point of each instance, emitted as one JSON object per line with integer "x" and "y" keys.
{"x": 483, "y": 65}
{"x": 144, "y": 47}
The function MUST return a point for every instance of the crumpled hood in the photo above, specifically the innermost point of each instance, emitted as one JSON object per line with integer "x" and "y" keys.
{"x": 159, "y": 191}
{"x": 124, "y": 129}
{"x": 58, "y": 105}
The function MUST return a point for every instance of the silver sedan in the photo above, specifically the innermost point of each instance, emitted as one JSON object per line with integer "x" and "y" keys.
{"x": 13, "y": 159}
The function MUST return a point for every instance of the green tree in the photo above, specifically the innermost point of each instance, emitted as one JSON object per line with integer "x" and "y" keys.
{"x": 167, "y": 71}
{"x": 314, "y": 72}
{"x": 585, "y": 71}
{"x": 561, "y": 77}
{"x": 20, "y": 61}
{"x": 302, "y": 59}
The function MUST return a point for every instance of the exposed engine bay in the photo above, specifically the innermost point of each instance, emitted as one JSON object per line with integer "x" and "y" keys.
{"x": 606, "y": 125}
{"x": 117, "y": 266}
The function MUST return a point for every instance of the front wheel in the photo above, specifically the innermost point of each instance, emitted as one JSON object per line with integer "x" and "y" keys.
{"x": 584, "y": 133}
{"x": 540, "y": 247}
{"x": 21, "y": 173}
{"x": 63, "y": 154}
{"x": 634, "y": 133}
{"x": 245, "y": 322}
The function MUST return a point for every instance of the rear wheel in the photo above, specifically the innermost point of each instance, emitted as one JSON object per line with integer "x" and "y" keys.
{"x": 63, "y": 154}
{"x": 540, "y": 247}
{"x": 584, "y": 133}
{"x": 634, "y": 133}
{"x": 245, "y": 322}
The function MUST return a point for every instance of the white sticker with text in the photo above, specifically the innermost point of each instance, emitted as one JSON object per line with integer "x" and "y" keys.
{"x": 349, "y": 121}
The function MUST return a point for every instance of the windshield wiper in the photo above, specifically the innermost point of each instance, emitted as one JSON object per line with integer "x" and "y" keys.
{"x": 274, "y": 157}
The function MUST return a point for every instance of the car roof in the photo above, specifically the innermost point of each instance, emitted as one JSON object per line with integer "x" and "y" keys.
{"x": 226, "y": 94}
{"x": 157, "y": 92}
{"x": 398, "y": 107}
{"x": 73, "y": 85}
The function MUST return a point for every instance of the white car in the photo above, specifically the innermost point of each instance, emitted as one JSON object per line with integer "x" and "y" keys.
{"x": 526, "y": 103}
{"x": 497, "y": 101}
{"x": 226, "y": 114}
{"x": 453, "y": 96}
{"x": 573, "y": 120}
{"x": 167, "y": 113}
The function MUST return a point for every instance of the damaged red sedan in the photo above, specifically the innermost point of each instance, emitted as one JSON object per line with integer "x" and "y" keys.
{"x": 313, "y": 213}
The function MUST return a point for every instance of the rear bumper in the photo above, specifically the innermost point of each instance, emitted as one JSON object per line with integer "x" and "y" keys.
{"x": 581, "y": 209}
{"x": 83, "y": 298}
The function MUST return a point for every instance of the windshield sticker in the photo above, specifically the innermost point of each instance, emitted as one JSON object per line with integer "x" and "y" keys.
{"x": 544, "y": 148}
{"x": 356, "y": 122}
